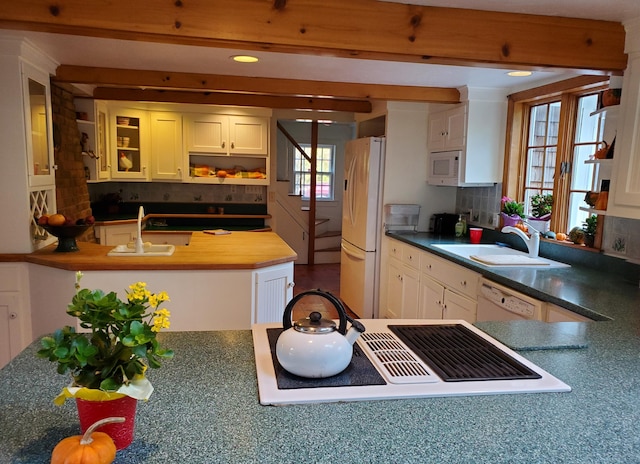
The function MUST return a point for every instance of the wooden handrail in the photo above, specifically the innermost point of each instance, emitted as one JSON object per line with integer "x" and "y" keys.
{"x": 292, "y": 140}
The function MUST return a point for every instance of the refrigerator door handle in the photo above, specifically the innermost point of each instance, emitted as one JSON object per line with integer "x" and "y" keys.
{"x": 353, "y": 253}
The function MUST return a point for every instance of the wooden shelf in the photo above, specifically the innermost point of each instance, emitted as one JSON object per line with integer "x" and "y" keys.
{"x": 603, "y": 161}
{"x": 600, "y": 212}
{"x": 604, "y": 109}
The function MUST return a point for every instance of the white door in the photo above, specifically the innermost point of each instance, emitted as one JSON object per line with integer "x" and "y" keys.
{"x": 357, "y": 279}
{"x": 361, "y": 196}
{"x": 273, "y": 291}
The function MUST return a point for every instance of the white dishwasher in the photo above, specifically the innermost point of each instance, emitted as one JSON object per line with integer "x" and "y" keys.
{"x": 499, "y": 303}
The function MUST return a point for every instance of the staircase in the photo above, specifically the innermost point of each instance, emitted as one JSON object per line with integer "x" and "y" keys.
{"x": 327, "y": 243}
{"x": 292, "y": 224}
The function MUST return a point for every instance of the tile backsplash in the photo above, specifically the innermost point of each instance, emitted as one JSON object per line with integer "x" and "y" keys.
{"x": 180, "y": 193}
{"x": 483, "y": 202}
{"x": 621, "y": 236}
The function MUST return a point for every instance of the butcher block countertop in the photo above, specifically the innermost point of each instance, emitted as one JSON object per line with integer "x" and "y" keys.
{"x": 237, "y": 250}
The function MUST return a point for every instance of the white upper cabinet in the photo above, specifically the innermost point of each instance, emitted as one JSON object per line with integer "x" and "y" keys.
{"x": 477, "y": 129}
{"x": 166, "y": 146}
{"x": 447, "y": 129}
{"x": 227, "y": 135}
{"x": 207, "y": 133}
{"x": 248, "y": 135}
{"x": 38, "y": 124}
{"x": 624, "y": 195}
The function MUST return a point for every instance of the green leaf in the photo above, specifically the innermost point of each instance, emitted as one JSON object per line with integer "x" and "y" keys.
{"x": 137, "y": 328}
{"x": 48, "y": 342}
{"x": 61, "y": 352}
{"x": 109, "y": 384}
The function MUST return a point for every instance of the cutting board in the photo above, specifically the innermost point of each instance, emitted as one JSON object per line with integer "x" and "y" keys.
{"x": 508, "y": 260}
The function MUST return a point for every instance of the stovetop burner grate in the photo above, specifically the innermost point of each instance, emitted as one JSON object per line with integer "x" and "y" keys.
{"x": 458, "y": 354}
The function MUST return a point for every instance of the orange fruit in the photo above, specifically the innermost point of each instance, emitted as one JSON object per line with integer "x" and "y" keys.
{"x": 57, "y": 220}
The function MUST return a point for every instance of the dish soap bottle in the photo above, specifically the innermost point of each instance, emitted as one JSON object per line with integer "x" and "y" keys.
{"x": 459, "y": 227}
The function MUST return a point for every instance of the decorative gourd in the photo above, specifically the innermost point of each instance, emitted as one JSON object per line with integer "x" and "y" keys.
{"x": 90, "y": 448}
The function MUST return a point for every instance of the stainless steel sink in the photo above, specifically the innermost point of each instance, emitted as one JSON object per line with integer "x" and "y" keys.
{"x": 148, "y": 250}
{"x": 484, "y": 255}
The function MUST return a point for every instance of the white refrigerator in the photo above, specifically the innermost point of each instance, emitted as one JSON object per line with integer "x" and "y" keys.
{"x": 362, "y": 226}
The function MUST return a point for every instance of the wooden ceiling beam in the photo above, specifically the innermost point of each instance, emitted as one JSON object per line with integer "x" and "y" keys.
{"x": 258, "y": 85}
{"x": 354, "y": 28}
{"x": 233, "y": 99}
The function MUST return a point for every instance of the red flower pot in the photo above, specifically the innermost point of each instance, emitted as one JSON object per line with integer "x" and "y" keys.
{"x": 90, "y": 412}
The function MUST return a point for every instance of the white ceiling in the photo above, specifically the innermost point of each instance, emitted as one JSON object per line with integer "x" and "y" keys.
{"x": 91, "y": 51}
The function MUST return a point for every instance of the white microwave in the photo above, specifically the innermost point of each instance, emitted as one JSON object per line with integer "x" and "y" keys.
{"x": 443, "y": 168}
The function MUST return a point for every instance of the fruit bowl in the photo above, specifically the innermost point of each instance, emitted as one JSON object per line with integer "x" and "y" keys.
{"x": 66, "y": 235}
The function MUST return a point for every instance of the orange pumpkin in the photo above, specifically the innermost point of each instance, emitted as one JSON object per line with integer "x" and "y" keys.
{"x": 90, "y": 448}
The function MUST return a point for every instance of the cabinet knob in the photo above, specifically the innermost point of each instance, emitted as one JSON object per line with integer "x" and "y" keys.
{"x": 13, "y": 315}
{"x": 463, "y": 283}
{"x": 233, "y": 144}
{"x": 223, "y": 144}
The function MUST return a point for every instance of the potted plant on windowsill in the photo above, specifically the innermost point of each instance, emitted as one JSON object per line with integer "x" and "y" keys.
{"x": 541, "y": 206}
{"x": 589, "y": 228}
{"x": 512, "y": 211}
{"x": 108, "y": 365}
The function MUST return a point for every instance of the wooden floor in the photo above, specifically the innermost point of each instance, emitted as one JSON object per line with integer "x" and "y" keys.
{"x": 319, "y": 276}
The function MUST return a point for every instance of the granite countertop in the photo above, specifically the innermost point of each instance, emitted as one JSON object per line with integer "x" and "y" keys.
{"x": 205, "y": 408}
{"x": 586, "y": 288}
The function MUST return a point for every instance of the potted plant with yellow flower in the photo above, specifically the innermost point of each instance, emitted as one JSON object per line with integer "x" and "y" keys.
{"x": 108, "y": 364}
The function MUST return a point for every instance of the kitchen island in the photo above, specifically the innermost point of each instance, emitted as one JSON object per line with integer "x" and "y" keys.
{"x": 221, "y": 281}
{"x": 205, "y": 410}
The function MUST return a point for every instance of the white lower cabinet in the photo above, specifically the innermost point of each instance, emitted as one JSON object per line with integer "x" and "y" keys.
{"x": 556, "y": 313}
{"x": 116, "y": 234}
{"x": 459, "y": 307}
{"x": 431, "y": 298}
{"x": 15, "y": 317}
{"x": 273, "y": 291}
{"x": 424, "y": 286}
{"x": 438, "y": 302}
{"x": 403, "y": 282}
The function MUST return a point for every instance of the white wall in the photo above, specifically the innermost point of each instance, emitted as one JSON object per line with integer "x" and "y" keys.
{"x": 405, "y": 178}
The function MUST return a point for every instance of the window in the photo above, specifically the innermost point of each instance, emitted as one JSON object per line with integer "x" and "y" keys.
{"x": 553, "y": 131}
{"x": 541, "y": 150}
{"x": 325, "y": 169}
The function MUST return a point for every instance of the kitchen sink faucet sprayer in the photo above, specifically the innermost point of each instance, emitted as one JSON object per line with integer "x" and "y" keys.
{"x": 139, "y": 244}
{"x": 533, "y": 243}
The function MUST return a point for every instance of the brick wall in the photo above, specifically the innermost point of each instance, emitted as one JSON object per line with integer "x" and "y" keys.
{"x": 72, "y": 195}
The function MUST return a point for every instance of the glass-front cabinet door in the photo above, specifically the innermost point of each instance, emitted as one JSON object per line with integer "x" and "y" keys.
{"x": 38, "y": 125}
{"x": 130, "y": 152}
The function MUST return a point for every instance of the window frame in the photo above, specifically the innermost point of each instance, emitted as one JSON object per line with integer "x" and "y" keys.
{"x": 518, "y": 114}
{"x": 331, "y": 174}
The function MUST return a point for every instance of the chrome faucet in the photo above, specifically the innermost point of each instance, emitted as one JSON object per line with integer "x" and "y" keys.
{"x": 533, "y": 242}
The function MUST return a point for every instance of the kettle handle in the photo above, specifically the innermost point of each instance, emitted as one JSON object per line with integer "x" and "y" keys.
{"x": 342, "y": 313}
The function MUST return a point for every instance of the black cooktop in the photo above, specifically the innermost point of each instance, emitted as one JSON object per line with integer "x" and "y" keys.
{"x": 359, "y": 372}
{"x": 457, "y": 354}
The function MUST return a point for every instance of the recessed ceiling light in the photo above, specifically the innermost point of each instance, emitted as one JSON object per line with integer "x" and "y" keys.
{"x": 244, "y": 58}
{"x": 519, "y": 73}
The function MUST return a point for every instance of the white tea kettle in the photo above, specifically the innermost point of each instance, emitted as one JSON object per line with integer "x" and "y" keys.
{"x": 313, "y": 347}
